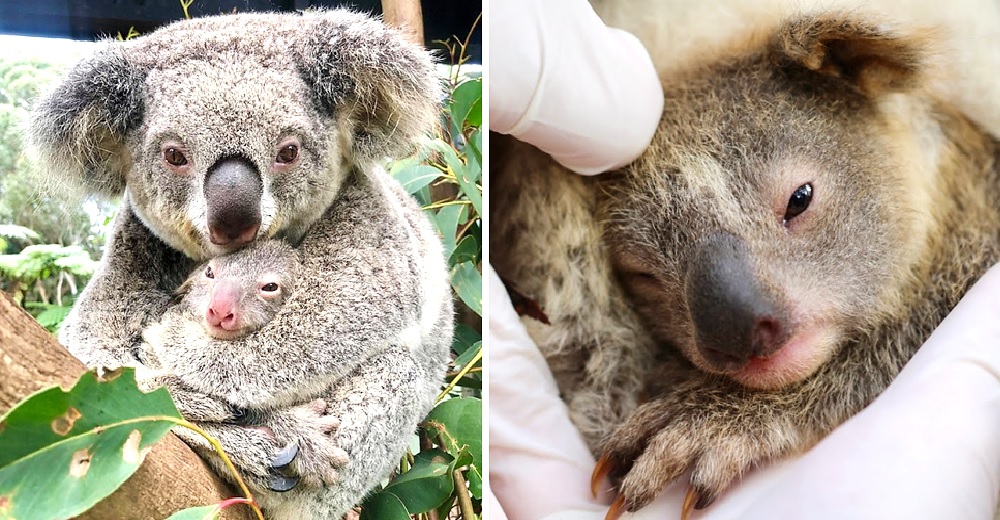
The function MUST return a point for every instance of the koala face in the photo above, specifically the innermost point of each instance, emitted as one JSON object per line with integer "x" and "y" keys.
{"x": 238, "y": 161}
{"x": 768, "y": 222}
{"x": 224, "y": 130}
{"x": 236, "y": 294}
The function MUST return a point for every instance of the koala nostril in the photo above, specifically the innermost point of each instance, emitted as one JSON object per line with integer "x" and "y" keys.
{"x": 768, "y": 336}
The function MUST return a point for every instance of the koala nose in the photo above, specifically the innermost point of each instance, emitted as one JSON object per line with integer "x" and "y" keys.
{"x": 222, "y": 306}
{"x": 233, "y": 190}
{"x": 735, "y": 317}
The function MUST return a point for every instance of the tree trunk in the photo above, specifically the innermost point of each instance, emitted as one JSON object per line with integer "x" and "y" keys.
{"x": 171, "y": 478}
{"x": 406, "y": 16}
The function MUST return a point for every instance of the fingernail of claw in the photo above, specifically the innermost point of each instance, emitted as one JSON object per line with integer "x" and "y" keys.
{"x": 282, "y": 483}
{"x": 285, "y": 456}
{"x": 689, "y": 501}
{"x": 601, "y": 471}
{"x": 704, "y": 501}
{"x": 616, "y": 509}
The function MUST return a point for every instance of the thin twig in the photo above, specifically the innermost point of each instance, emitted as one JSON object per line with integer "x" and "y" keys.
{"x": 464, "y": 500}
{"x": 461, "y": 374}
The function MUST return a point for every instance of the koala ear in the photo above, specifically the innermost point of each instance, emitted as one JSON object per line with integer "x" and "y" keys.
{"x": 79, "y": 128}
{"x": 869, "y": 56}
{"x": 386, "y": 86}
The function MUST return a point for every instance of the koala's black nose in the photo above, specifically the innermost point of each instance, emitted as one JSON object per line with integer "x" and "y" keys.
{"x": 233, "y": 189}
{"x": 736, "y": 318}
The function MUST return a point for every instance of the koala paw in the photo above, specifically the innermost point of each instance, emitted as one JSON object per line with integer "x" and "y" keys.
{"x": 313, "y": 456}
{"x": 717, "y": 440}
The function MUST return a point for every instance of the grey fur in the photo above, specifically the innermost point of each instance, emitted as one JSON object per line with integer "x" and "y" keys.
{"x": 354, "y": 358}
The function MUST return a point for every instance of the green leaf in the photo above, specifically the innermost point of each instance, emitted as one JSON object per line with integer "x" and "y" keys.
{"x": 467, "y": 103}
{"x": 467, "y": 250}
{"x": 197, "y": 513}
{"x": 468, "y": 283}
{"x": 52, "y": 316}
{"x": 383, "y": 506}
{"x": 65, "y": 451}
{"x": 459, "y": 422}
{"x": 470, "y": 188}
{"x": 469, "y": 354}
{"x": 465, "y": 337}
{"x": 475, "y": 146}
{"x": 447, "y": 220}
{"x": 416, "y": 176}
{"x": 426, "y": 486}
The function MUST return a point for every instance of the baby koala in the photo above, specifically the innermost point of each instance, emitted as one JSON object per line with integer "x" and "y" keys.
{"x": 233, "y": 295}
{"x": 225, "y": 299}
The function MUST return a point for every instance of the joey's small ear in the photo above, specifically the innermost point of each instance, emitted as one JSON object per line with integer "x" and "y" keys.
{"x": 79, "y": 128}
{"x": 388, "y": 86}
{"x": 870, "y": 56}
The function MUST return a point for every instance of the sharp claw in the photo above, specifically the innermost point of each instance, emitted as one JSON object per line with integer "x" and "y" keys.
{"x": 601, "y": 471}
{"x": 616, "y": 509}
{"x": 282, "y": 483}
{"x": 690, "y": 499}
{"x": 705, "y": 500}
{"x": 283, "y": 460}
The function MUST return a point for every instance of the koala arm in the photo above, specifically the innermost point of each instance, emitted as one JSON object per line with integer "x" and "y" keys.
{"x": 132, "y": 285}
{"x": 377, "y": 405}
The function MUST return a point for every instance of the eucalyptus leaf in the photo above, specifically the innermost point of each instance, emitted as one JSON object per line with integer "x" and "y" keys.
{"x": 467, "y": 250}
{"x": 426, "y": 486}
{"x": 416, "y": 176}
{"x": 459, "y": 421}
{"x": 464, "y": 101}
{"x": 468, "y": 283}
{"x": 66, "y": 450}
{"x": 383, "y": 506}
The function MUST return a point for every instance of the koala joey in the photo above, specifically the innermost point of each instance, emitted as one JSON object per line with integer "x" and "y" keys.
{"x": 805, "y": 216}
{"x": 222, "y": 131}
{"x": 233, "y": 295}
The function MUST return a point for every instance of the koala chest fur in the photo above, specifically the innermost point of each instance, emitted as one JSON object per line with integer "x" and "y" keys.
{"x": 804, "y": 217}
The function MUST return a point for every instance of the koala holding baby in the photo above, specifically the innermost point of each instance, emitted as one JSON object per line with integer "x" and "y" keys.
{"x": 806, "y": 214}
{"x": 223, "y": 131}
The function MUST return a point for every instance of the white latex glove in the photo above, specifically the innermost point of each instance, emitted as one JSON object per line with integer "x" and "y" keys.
{"x": 564, "y": 82}
{"x": 928, "y": 448}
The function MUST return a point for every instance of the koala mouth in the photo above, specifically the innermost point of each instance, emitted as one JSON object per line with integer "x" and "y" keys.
{"x": 798, "y": 358}
{"x": 218, "y": 332}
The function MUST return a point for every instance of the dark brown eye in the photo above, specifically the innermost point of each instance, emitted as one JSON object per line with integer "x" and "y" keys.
{"x": 209, "y": 273}
{"x": 269, "y": 287}
{"x": 287, "y": 154}
{"x": 799, "y": 201}
{"x": 174, "y": 157}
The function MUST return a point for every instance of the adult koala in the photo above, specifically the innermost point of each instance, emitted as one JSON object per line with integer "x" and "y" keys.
{"x": 224, "y": 130}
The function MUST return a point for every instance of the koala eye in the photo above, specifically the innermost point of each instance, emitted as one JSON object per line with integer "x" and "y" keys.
{"x": 799, "y": 201}
{"x": 209, "y": 273}
{"x": 269, "y": 287}
{"x": 174, "y": 157}
{"x": 287, "y": 154}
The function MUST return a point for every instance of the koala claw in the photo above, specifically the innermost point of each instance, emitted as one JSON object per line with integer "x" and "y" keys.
{"x": 691, "y": 500}
{"x": 617, "y": 508}
{"x": 281, "y": 483}
{"x": 282, "y": 462}
{"x": 601, "y": 471}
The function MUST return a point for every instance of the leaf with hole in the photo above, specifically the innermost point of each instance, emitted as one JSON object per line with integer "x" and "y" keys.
{"x": 66, "y": 450}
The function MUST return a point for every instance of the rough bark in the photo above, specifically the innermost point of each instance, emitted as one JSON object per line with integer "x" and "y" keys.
{"x": 407, "y": 16}
{"x": 171, "y": 478}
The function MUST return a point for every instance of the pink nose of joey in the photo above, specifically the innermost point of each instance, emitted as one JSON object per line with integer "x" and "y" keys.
{"x": 222, "y": 308}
